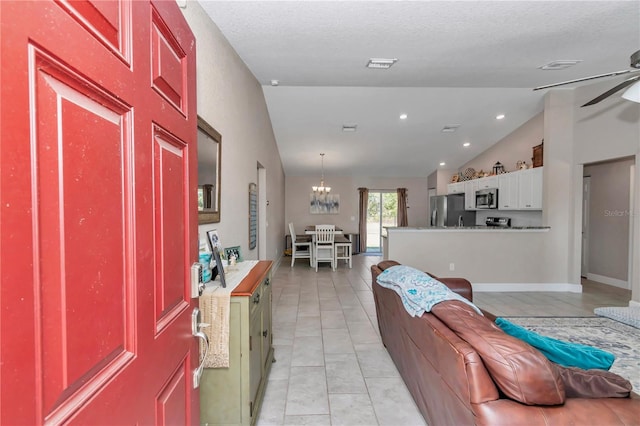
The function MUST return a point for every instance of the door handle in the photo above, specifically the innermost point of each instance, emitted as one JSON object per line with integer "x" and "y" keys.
{"x": 196, "y": 327}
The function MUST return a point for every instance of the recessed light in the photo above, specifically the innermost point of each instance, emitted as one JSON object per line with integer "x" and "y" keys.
{"x": 275, "y": 82}
{"x": 499, "y": 116}
{"x": 349, "y": 127}
{"x": 466, "y": 144}
{"x": 443, "y": 163}
{"x": 403, "y": 116}
{"x": 560, "y": 65}
{"x": 381, "y": 63}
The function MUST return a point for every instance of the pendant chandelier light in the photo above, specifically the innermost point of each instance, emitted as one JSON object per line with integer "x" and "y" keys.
{"x": 321, "y": 188}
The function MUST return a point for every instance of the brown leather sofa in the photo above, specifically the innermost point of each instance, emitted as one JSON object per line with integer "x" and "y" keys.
{"x": 449, "y": 380}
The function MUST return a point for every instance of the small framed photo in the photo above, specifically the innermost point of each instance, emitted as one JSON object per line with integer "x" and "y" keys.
{"x": 214, "y": 239}
{"x": 233, "y": 251}
{"x": 219, "y": 268}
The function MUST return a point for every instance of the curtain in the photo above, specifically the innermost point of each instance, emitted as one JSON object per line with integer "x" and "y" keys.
{"x": 403, "y": 217}
{"x": 362, "y": 218}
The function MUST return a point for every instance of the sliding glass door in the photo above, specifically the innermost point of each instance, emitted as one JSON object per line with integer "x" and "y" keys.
{"x": 382, "y": 211}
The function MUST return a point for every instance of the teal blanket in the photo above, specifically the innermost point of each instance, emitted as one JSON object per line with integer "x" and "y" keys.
{"x": 558, "y": 351}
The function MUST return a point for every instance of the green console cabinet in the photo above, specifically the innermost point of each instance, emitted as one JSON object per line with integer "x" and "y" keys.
{"x": 232, "y": 396}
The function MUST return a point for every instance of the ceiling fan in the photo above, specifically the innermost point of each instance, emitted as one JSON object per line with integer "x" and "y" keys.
{"x": 635, "y": 63}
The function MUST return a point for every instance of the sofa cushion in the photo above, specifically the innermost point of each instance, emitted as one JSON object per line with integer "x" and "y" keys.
{"x": 519, "y": 370}
{"x": 564, "y": 353}
{"x": 579, "y": 383}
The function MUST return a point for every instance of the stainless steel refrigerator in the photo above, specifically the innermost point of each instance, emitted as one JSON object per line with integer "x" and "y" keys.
{"x": 448, "y": 210}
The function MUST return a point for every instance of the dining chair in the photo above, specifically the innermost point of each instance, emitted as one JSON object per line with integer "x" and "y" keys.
{"x": 300, "y": 246}
{"x": 343, "y": 248}
{"x": 324, "y": 248}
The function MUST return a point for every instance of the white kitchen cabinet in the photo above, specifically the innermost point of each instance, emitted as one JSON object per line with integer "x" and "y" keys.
{"x": 455, "y": 188}
{"x": 508, "y": 191}
{"x": 470, "y": 188}
{"x": 530, "y": 189}
{"x": 487, "y": 182}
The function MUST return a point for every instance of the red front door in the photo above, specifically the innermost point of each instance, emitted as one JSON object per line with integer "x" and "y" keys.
{"x": 98, "y": 222}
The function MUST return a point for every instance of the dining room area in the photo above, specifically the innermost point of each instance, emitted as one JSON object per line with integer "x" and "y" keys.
{"x": 322, "y": 243}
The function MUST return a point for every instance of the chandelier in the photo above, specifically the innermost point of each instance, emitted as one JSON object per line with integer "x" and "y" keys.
{"x": 321, "y": 188}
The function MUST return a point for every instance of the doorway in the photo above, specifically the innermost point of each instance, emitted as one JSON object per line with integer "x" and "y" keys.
{"x": 382, "y": 210}
{"x": 607, "y": 221}
{"x": 586, "y": 201}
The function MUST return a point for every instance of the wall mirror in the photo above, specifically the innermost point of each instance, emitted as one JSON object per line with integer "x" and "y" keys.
{"x": 209, "y": 160}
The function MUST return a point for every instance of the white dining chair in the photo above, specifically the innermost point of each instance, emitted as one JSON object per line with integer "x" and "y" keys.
{"x": 300, "y": 246}
{"x": 343, "y": 247}
{"x": 324, "y": 248}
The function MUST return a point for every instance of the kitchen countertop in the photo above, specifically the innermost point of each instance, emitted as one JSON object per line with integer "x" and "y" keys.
{"x": 478, "y": 228}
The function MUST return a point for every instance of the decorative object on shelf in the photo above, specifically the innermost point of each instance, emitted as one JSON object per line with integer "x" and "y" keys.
{"x": 233, "y": 251}
{"x": 321, "y": 189}
{"x": 521, "y": 165}
{"x": 253, "y": 215}
{"x": 498, "y": 168}
{"x": 455, "y": 178}
{"x": 204, "y": 259}
{"x": 468, "y": 173}
{"x": 219, "y": 268}
{"x": 213, "y": 239}
{"x": 538, "y": 151}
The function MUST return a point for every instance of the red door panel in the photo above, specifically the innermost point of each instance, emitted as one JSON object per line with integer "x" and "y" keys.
{"x": 78, "y": 227}
{"x": 170, "y": 166}
{"x": 98, "y": 224}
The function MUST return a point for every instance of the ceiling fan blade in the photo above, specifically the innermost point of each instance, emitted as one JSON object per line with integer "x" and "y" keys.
{"x": 577, "y": 80}
{"x": 627, "y": 82}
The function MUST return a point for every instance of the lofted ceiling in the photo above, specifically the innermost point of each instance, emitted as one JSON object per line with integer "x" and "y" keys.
{"x": 459, "y": 63}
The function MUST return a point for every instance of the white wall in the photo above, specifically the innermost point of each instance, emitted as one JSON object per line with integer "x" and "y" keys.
{"x": 298, "y": 188}
{"x": 607, "y": 131}
{"x": 517, "y": 146}
{"x": 232, "y": 101}
{"x": 439, "y": 180}
{"x": 575, "y": 136}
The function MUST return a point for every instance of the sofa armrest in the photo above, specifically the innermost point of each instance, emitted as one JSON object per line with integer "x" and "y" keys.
{"x": 460, "y": 286}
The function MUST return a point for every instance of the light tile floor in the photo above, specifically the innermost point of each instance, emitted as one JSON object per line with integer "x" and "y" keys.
{"x": 332, "y": 368}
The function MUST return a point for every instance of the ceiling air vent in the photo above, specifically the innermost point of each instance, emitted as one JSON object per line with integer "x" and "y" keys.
{"x": 349, "y": 127}
{"x": 381, "y": 63}
{"x": 560, "y": 65}
{"x": 450, "y": 128}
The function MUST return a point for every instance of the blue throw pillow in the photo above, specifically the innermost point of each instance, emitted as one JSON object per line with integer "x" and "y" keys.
{"x": 564, "y": 353}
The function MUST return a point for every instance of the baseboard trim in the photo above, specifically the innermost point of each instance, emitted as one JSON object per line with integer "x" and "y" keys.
{"x": 517, "y": 287}
{"x": 634, "y": 304}
{"x": 608, "y": 280}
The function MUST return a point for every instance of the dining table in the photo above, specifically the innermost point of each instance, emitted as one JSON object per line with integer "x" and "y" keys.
{"x": 311, "y": 230}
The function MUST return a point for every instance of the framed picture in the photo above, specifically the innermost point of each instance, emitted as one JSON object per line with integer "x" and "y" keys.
{"x": 323, "y": 203}
{"x": 219, "y": 268}
{"x": 214, "y": 239}
{"x": 253, "y": 215}
{"x": 235, "y": 251}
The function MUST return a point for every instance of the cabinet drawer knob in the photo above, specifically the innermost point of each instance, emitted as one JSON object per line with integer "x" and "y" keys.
{"x": 256, "y": 299}
{"x": 267, "y": 281}
{"x": 265, "y": 333}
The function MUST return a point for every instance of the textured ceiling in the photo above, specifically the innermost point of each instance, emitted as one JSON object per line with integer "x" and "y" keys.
{"x": 459, "y": 62}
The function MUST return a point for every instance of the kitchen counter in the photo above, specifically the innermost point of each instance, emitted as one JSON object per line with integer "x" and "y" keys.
{"x": 470, "y": 228}
{"x": 492, "y": 258}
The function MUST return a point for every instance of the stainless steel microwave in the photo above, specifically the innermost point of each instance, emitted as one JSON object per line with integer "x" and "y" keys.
{"x": 487, "y": 198}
